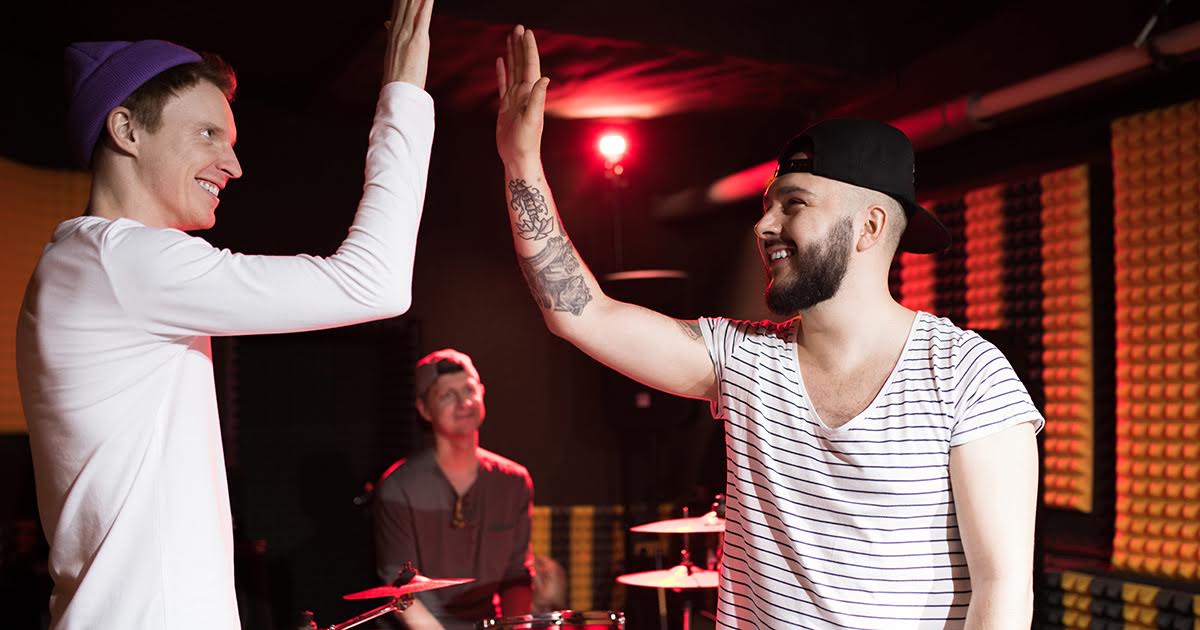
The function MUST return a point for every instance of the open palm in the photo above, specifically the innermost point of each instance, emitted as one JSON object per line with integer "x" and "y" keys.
{"x": 522, "y": 98}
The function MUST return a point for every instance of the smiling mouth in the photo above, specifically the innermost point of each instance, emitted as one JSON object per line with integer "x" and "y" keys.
{"x": 776, "y": 252}
{"x": 209, "y": 187}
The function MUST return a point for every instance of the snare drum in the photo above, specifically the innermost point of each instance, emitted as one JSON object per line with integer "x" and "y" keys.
{"x": 587, "y": 620}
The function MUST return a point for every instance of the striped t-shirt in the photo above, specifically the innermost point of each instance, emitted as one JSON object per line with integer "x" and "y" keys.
{"x": 852, "y": 527}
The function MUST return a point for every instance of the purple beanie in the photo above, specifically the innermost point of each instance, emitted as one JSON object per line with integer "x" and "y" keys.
{"x": 101, "y": 75}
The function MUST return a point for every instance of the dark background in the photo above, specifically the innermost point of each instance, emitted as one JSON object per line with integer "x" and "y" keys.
{"x": 309, "y": 419}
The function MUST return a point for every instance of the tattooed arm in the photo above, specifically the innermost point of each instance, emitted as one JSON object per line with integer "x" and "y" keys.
{"x": 662, "y": 352}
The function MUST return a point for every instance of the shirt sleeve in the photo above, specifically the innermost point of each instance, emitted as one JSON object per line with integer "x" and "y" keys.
{"x": 181, "y": 285}
{"x": 989, "y": 395}
{"x": 519, "y": 569}
{"x": 718, "y": 336}
{"x": 395, "y": 540}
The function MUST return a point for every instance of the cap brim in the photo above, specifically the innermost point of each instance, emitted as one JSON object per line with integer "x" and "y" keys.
{"x": 925, "y": 234}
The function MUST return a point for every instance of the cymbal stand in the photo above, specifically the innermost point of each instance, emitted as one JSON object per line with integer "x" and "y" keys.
{"x": 686, "y": 561}
{"x": 398, "y": 604}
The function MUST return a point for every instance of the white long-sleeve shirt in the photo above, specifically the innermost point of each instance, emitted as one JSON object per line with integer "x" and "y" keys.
{"x": 115, "y": 368}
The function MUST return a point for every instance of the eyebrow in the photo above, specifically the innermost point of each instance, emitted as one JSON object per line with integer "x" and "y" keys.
{"x": 461, "y": 388}
{"x": 786, "y": 190}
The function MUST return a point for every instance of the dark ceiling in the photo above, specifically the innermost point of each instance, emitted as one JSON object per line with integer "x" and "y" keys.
{"x": 606, "y": 59}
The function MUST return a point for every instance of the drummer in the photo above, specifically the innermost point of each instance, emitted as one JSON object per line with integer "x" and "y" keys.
{"x": 456, "y": 510}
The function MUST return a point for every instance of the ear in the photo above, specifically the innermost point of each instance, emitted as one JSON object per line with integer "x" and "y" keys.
{"x": 424, "y": 410}
{"x": 122, "y": 130}
{"x": 873, "y": 229}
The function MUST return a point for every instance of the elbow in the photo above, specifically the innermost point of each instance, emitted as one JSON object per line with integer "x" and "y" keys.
{"x": 398, "y": 305}
{"x": 577, "y": 326}
{"x": 565, "y": 328}
{"x": 393, "y": 301}
{"x": 556, "y": 326}
{"x": 1002, "y": 603}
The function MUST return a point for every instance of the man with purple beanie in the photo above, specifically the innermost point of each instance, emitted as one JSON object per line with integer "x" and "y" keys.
{"x": 113, "y": 349}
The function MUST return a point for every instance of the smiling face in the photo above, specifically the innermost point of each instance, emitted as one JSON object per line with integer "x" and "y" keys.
{"x": 454, "y": 405}
{"x": 186, "y": 162}
{"x": 805, "y": 237}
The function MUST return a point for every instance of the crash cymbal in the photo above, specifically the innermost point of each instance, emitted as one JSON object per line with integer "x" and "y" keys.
{"x": 680, "y": 576}
{"x": 418, "y": 584}
{"x": 708, "y": 524}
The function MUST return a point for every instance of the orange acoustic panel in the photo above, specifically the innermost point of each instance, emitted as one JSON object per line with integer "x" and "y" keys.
{"x": 984, "y": 245}
{"x": 35, "y": 201}
{"x": 1156, "y": 157}
{"x": 1067, "y": 339}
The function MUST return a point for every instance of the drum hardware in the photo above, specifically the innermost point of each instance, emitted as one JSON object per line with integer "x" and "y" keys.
{"x": 418, "y": 584}
{"x": 401, "y": 592}
{"x": 589, "y": 620}
{"x": 685, "y": 576}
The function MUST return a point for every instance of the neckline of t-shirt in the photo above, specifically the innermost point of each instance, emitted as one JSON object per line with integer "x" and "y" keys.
{"x": 887, "y": 383}
{"x": 90, "y": 218}
{"x": 479, "y": 472}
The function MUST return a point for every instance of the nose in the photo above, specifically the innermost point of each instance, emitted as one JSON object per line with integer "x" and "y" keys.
{"x": 767, "y": 226}
{"x": 229, "y": 164}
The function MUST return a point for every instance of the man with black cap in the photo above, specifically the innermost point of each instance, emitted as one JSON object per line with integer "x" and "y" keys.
{"x": 882, "y": 464}
{"x": 113, "y": 350}
{"x": 456, "y": 510}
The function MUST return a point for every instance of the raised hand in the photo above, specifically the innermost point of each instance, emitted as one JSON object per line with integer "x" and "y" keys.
{"x": 407, "y": 57}
{"x": 522, "y": 99}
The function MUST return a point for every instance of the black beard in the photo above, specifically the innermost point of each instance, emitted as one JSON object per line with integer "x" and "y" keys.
{"x": 819, "y": 270}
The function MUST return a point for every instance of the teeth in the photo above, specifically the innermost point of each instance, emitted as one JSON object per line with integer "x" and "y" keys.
{"x": 210, "y": 187}
{"x": 781, "y": 254}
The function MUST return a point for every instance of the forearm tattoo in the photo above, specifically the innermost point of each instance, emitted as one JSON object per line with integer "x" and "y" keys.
{"x": 555, "y": 277}
{"x": 532, "y": 214}
{"x": 691, "y": 329}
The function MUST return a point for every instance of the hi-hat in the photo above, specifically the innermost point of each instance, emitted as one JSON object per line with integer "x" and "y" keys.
{"x": 708, "y": 524}
{"x": 416, "y": 585}
{"x": 677, "y": 577}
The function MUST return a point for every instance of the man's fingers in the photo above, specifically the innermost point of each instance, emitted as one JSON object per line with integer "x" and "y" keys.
{"x": 533, "y": 64}
{"x": 509, "y": 60}
{"x": 425, "y": 16}
{"x": 407, "y": 56}
{"x": 501, "y": 80}
{"x": 518, "y": 67}
{"x": 402, "y": 15}
{"x": 537, "y": 99}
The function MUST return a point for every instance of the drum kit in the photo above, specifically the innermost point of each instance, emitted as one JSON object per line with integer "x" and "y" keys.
{"x": 683, "y": 577}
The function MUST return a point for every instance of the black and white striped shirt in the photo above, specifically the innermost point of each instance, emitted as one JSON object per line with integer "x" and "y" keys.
{"x": 852, "y": 527}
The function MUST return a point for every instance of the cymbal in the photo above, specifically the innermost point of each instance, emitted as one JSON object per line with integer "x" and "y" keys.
{"x": 708, "y": 524}
{"x": 418, "y": 584}
{"x": 674, "y": 578}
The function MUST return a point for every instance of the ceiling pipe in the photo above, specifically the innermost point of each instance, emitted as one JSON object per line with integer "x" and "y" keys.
{"x": 964, "y": 115}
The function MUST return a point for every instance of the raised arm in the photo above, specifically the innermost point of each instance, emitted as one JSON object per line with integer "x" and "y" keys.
{"x": 194, "y": 288}
{"x": 662, "y": 352}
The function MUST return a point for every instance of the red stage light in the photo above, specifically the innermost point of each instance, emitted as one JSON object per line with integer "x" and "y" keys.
{"x": 612, "y": 146}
